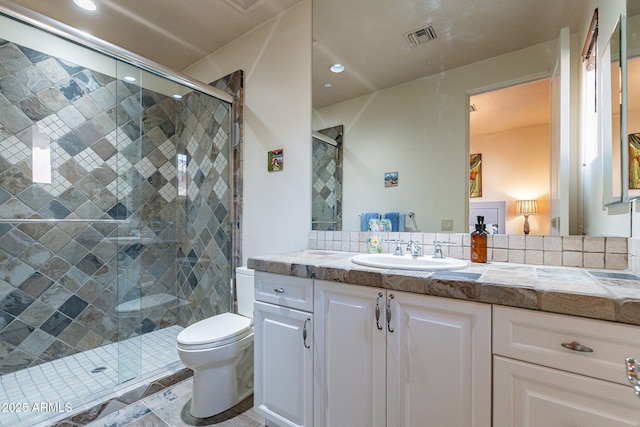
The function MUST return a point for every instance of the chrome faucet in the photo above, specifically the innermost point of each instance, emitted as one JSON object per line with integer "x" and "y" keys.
{"x": 414, "y": 249}
{"x": 437, "y": 251}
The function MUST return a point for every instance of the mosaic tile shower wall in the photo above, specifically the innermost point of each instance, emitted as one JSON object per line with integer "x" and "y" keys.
{"x": 326, "y": 191}
{"x": 113, "y": 160}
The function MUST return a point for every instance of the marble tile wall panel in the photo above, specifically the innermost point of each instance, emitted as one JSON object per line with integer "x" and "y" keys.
{"x": 205, "y": 236}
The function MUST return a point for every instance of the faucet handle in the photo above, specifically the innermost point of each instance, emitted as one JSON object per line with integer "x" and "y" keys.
{"x": 398, "y": 250}
{"x": 414, "y": 248}
{"x": 437, "y": 250}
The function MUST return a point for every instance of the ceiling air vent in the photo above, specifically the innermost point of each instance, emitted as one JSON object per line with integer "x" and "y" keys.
{"x": 245, "y": 6}
{"x": 421, "y": 36}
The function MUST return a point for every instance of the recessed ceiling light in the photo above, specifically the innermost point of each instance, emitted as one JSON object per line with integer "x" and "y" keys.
{"x": 176, "y": 96}
{"x": 130, "y": 78}
{"x": 86, "y": 4}
{"x": 337, "y": 68}
{"x": 327, "y": 85}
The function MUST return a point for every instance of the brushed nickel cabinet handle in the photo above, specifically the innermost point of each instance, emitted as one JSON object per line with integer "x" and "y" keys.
{"x": 632, "y": 370}
{"x": 632, "y": 374}
{"x": 576, "y": 346}
{"x": 389, "y": 313}
{"x": 304, "y": 333}
{"x": 378, "y": 311}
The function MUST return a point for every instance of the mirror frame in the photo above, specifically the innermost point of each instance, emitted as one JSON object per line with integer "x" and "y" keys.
{"x": 624, "y": 114}
{"x": 610, "y": 195}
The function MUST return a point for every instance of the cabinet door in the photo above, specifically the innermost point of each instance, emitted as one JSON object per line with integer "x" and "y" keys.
{"x": 283, "y": 390}
{"x": 529, "y": 395}
{"x": 349, "y": 355}
{"x": 438, "y": 362}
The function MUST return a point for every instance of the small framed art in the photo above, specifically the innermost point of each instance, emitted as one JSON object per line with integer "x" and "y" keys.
{"x": 391, "y": 179}
{"x": 275, "y": 160}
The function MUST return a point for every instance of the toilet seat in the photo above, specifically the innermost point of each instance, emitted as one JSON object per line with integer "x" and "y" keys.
{"x": 215, "y": 331}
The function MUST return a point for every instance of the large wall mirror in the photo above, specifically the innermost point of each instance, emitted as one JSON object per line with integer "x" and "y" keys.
{"x": 404, "y": 101}
{"x": 632, "y": 53}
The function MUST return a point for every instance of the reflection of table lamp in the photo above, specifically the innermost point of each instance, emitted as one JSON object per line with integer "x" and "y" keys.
{"x": 526, "y": 208}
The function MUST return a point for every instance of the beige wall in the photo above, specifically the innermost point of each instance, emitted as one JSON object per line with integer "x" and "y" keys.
{"x": 276, "y": 59}
{"x": 595, "y": 131}
{"x": 419, "y": 129}
{"x": 515, "y": 166}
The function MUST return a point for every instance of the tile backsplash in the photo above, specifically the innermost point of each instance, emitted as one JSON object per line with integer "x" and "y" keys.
{"x": 615, "y": 253}
{"x": 634, "y": 254}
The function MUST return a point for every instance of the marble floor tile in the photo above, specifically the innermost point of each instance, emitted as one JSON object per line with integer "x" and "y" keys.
{"x": 170, "y": 407}
{"x": 148, "y": 420}
{"x": 127, "y": 416}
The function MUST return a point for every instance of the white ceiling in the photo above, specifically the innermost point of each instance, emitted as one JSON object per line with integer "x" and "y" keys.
{"x": 173, "y": 33}
{"x": 378, "y": 56}
{"x": 365, "y": 35}
{"x": 510, "y": 108}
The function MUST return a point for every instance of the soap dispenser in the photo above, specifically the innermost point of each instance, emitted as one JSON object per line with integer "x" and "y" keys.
{"x": 479, "y": 241}
{"x": 374, "y": 243}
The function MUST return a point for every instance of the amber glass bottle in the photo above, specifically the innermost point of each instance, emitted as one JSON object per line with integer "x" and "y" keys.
{"x": 479, "y": 242}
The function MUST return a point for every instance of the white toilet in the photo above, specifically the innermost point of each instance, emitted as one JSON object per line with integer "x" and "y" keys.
{"x": 219, "y": 349}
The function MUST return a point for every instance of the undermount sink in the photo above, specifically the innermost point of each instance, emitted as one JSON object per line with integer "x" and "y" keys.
{"x": 407, "y": 262}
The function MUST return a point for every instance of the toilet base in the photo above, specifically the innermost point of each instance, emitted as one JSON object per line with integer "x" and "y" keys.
{"x": 219, "y": 389}
{"x": 214, "y": 391}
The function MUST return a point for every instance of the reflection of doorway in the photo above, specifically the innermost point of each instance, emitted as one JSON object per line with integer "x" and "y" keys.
{"x": 510, "y": 127}
{"x": 326, "y": 185}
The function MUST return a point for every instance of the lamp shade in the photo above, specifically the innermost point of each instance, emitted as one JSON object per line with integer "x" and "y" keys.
{"x": 526, "y": 207}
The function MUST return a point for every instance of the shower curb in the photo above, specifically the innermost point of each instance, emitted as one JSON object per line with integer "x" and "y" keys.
{"x": 131, "y": 396}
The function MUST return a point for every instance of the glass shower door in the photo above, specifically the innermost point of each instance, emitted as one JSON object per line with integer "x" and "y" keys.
{"x": 115, "y": 219}
{"x": 325, "y": 190}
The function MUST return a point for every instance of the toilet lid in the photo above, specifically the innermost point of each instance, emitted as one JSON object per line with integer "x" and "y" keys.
{"x": 214, "y": 331}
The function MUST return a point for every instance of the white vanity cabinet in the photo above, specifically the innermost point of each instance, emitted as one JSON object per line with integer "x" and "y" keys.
{"x": 557, "y": 370}
{"x": 388, "y": 358}
{"x": 350, "y": 355}
{"x": 283, "y": 338}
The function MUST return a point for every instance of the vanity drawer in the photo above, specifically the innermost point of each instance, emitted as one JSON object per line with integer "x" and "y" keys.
{"x": 540, "y": 338}
{"x": 287, "y": 291}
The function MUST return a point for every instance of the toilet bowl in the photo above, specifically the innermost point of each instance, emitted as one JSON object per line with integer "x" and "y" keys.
{"x": 219, "y": 349}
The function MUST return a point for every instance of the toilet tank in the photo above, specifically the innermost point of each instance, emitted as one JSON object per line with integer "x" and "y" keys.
{"x": 244, "y": 290}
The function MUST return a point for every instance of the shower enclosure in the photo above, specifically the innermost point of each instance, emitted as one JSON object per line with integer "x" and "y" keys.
{"x": 326, "y": 179}
{"x": 116, "y": 218}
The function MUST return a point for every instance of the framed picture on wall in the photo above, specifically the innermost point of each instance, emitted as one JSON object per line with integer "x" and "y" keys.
{"x": 475, "y": 175}
{"x": 634, "y": 161}
{"x": 275, "y": 160}
{"x": 391, "y": 179}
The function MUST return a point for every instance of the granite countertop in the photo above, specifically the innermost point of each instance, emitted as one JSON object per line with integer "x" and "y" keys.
{"x": 600, "y": 294}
